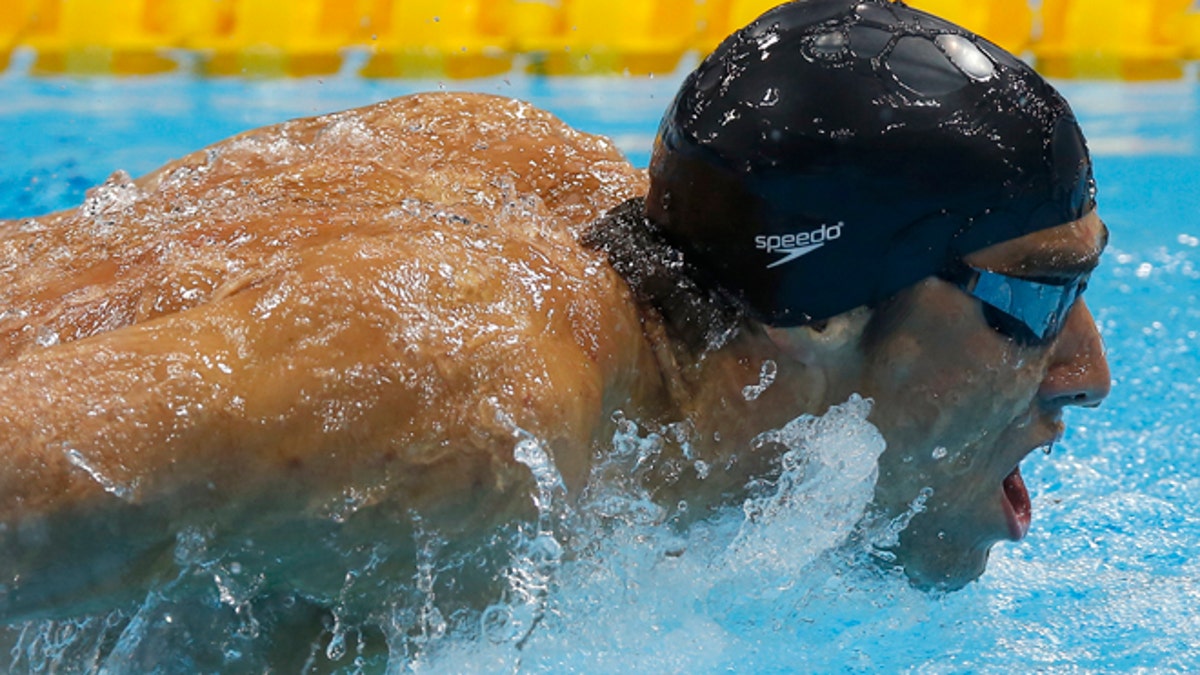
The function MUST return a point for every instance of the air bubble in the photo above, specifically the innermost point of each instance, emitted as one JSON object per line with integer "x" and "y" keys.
{"x": 497, "y": 624}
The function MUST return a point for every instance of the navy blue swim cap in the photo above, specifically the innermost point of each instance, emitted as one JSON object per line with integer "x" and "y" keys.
{"x": 833, "y": 153}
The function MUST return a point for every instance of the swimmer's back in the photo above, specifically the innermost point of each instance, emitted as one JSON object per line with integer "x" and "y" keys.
{"x": 378, "y": 303}
{"x": 239, "y": 212}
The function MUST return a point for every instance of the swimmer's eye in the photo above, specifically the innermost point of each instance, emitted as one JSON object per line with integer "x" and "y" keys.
{"x": 1029, "y": 312}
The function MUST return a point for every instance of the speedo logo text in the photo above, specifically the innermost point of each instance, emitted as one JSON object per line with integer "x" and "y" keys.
{"x": 792, "y": 246}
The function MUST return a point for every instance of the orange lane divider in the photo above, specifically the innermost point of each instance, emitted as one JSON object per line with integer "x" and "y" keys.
{"x": 1129, "y": 39}
{"x": 649, "y": 37}
{"x": 434, "y": 38}
{"x": 14, "y": 17}
{"x": 96, "y": 36}
{"x": 1143, "y": 40}
{"x": 268, "y": 37}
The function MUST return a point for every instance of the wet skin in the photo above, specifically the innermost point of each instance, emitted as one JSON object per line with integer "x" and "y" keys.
{"x": 960, "y": 404}
{"x": 296, "y": 337}
{"x": 293, "y": 340}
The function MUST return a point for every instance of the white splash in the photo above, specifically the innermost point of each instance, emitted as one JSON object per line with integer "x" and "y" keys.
{"x": 610, "y": 582}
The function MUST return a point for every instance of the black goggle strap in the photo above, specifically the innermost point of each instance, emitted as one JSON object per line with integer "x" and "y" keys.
{"x": 1040, "y": 308}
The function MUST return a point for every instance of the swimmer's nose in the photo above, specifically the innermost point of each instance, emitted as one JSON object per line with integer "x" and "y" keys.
{"x": 1078, "y": 373}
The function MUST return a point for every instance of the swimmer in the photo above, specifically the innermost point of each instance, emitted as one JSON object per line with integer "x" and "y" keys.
{"x": 297, "y": 342}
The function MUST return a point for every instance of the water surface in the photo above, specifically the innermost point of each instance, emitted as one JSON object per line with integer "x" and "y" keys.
{"x": 1108, "y": 579}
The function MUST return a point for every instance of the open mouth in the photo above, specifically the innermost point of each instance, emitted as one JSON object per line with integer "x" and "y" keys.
{"x": 1017, "y": 507}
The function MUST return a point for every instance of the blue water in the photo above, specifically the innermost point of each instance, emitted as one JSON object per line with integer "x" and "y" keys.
{"x": 1107, "y": 581}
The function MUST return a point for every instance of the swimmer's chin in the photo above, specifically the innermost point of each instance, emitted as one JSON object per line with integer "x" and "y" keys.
{"x": 940, "y": 571}
{"x": 947, "y": 580}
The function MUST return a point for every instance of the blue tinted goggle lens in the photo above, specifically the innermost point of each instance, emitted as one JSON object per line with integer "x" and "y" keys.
{"x": 1030, "y": 312}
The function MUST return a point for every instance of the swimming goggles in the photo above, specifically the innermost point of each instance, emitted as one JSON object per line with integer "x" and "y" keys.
{"x": 1030, "y": 312}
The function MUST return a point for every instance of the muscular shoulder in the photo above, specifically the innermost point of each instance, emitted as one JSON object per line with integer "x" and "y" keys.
{"x": 459, "y": 315}
{"x": 469, "y": 151}
{"x": 248, "y": 208}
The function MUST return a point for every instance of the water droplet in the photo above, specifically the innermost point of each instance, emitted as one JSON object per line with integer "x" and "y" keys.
{"x": 918, "y": 64}
{"x": 337, "y": 646}
{"x": 766, "y": 377}
{"x": 46, "y": 337}
{"x": 497, "y": 624}
{"x": 966, "y": 56}
{"x": 123, "y": 492}
{"x": 765, "y": 41}
{"x": 830, "y": 46}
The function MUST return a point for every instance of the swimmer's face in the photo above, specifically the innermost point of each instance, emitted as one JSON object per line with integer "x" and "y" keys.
{"x": 960, "y": 404}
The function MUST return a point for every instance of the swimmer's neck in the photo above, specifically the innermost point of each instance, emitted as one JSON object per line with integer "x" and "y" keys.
{"x": 730, "y": 397}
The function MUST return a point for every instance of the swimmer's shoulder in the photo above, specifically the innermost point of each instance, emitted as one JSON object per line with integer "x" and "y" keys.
{"x": 234, "y": 213}
{"x": 443, "y": 148}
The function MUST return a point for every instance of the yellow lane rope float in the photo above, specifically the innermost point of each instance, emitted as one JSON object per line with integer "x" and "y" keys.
{"x": 1146, "y": 39}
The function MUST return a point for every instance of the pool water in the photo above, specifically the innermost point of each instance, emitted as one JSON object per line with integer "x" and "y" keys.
{"x": 1107, "y": 581}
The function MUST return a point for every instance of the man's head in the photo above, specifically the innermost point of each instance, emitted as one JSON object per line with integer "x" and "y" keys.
{"x": 866, "y": 171}
{"x": 833, "y": 152}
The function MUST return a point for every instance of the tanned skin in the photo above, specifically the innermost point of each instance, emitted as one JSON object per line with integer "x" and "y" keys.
{"x": 373, "y": 305}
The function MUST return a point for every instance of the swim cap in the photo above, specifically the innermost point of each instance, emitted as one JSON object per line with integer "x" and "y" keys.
{"x": 833, "y": 153}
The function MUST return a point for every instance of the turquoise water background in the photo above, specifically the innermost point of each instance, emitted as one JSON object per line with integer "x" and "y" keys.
{"x": 1108, "y": 579}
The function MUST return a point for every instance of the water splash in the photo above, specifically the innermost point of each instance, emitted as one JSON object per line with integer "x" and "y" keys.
{"x": 104, "y": 202}
{"x": 536, "y": 557}
{"x": 639, "y": 592}
{"x": 532, "y": 452}
{"x": 613, "y": 581}
{"x": 829, "y": 472}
